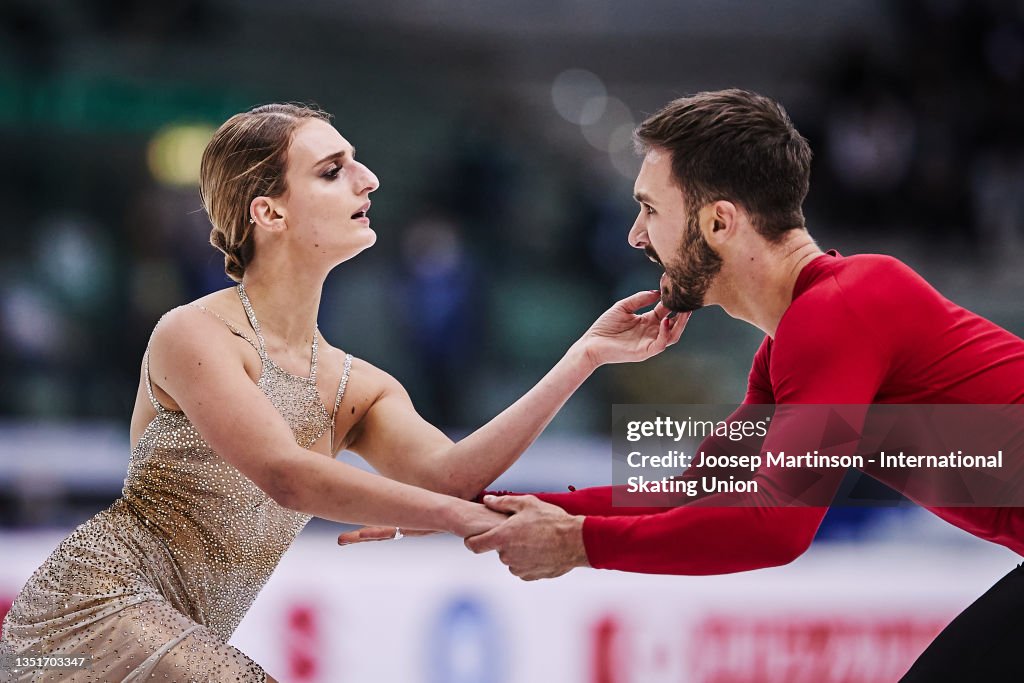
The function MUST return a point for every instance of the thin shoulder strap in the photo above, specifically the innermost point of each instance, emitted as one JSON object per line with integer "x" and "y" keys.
{"x": 313, "y": 359}
{"x": 234, "y": 330}
{"x": 262, "y": 348}
{"x": 149, "y": 383}
{"x": 346, "y": 369}
{"x": 145, "y": 371}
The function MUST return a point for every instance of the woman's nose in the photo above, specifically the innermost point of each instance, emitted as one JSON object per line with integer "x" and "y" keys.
{"x": 368, "y": 180}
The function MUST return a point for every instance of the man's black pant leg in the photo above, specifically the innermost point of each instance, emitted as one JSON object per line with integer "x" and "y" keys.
{"x": 985, "y": 643}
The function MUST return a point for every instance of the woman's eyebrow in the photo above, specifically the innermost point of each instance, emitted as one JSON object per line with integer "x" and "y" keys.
{"x": 336, "y": 155}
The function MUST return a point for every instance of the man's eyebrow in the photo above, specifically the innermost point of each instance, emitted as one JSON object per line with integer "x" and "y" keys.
{"x": 642, "y": 198}
{"x": 336, "y": 155}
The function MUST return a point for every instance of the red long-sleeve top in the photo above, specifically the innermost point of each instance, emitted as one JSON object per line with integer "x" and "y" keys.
{"x": 860, "y": 330}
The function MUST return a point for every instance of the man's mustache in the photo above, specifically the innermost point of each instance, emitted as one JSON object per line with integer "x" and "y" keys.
{"x": 653, "y": 255}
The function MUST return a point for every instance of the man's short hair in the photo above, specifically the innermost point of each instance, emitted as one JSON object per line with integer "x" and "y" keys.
{"x": 738, "y": 146}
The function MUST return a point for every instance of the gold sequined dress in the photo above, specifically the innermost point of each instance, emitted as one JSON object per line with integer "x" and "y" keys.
{"x": 153, "y": 587}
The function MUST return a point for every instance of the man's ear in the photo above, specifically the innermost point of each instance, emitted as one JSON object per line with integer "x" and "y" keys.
{"x": 719, "y": 221}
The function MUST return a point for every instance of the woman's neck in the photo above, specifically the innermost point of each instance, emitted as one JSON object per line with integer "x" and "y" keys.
{"x": 286, "y": 302}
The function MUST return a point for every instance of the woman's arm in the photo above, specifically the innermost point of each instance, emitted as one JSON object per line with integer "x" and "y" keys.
{"x": 193, "y": 359}
{"x": 401, "y": 445}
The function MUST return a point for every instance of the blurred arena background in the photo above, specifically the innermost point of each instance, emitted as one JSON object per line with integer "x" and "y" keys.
{"x": 500, "y": 132}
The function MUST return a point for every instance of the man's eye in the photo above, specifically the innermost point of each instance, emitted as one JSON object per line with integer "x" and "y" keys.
{"x": 648, "y": 210}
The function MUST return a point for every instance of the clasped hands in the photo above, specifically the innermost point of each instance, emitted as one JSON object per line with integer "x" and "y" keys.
{"x": 537, "y": 540}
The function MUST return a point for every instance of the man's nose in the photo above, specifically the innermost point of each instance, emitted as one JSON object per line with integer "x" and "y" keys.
{"x": 637, "y": 236}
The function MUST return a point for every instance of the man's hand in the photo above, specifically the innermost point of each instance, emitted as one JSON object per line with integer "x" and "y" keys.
{"x": 539, "y": 540}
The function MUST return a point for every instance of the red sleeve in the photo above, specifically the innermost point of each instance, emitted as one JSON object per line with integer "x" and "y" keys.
{"x": 759, "y": 381}
{"x": 825, "y": 355}
{"x": 597, "y": 501}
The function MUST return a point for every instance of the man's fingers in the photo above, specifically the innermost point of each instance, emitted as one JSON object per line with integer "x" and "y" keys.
{"x": 485, "y": 542}
{"x": 508, "y": 503}
{"x": 527, "y": 574}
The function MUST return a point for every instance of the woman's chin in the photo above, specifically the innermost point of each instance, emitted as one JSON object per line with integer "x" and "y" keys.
{"x": 354, "y": 250}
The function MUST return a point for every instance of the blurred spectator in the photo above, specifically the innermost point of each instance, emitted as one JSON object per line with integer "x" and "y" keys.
{"x": 442, "y": 311}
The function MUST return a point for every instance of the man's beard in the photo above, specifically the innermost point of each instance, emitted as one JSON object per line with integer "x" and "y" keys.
{"x": 696, "y": 267}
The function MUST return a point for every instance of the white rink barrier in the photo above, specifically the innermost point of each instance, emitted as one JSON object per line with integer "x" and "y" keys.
{"x": 425, "y": 610}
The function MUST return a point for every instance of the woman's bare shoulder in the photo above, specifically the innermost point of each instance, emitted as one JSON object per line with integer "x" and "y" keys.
{"x": 367, "y": 376}
{"x": 182, "y": 324}
{"x": 225, "y": 304}
{"x": 218, "y": 307}
{"x": 211, "y": 319}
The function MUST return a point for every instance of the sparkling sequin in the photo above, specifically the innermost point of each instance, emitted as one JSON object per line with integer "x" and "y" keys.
{"x": 153, "y": 587}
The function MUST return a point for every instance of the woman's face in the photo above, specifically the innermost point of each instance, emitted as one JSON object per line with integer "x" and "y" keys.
{"x": 326, "y": 204}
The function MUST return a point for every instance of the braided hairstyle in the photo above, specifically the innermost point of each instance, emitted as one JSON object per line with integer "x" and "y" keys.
{"x": 245, "y": 159}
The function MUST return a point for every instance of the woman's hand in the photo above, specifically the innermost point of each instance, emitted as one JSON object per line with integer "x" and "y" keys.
{"x": 621, "y": 335}
{"x": 378, "y": 533}
{"x": 469, "y": 519}
{"x": 474, "y": 518}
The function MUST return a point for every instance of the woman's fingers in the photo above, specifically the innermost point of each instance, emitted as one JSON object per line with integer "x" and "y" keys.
{"x": 367, "y": 533}
{"x": 378, "y": 533}
{"x": 670, "y": 329}
{"x": 639, "y": 300}
{"x": 362, "y": 534}
{"x": 678, "y": 325}
{"x": 664, "y": 333}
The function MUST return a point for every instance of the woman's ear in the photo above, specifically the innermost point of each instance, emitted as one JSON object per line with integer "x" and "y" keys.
{"x": 267, "y": 214}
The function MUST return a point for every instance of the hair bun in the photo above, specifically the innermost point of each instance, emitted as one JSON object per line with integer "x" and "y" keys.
{"x": 246, "y": 158}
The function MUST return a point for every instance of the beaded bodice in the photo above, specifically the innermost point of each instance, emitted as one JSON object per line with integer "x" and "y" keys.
{"x": 223, "y": 534}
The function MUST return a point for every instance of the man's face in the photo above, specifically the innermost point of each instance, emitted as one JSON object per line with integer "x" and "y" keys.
{"x": 670, "y": 235}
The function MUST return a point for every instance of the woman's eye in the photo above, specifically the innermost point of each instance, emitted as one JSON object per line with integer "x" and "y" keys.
{"x": 332, "y": 172}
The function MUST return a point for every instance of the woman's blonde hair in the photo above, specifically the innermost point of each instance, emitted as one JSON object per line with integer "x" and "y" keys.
{"x": 246, "y": 158}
